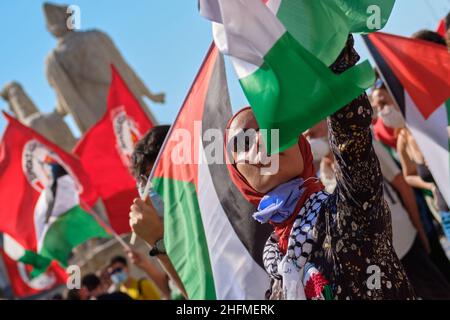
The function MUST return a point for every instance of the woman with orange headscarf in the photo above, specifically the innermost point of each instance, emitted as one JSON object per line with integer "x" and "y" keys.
{"x": 324, "y": 246}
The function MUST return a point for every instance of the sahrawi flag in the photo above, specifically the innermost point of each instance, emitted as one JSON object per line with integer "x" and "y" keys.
{"x": 210, "y": 235}
{"x": 289, "y": 88}
{"x": 106, "y": 149}
{"x": 43, "y": 191}
{"x": 417, "y": 74}
{"x": 23, "y": 283}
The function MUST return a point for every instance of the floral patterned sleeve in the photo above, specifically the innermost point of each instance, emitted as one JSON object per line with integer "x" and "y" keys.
{"x": 359, "y": 193}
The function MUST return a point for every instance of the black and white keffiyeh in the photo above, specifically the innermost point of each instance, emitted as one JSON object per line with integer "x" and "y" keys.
{"x": 290, "y": 267}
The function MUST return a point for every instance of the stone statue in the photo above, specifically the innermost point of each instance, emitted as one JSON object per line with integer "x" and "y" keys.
{"x": 79, "y": 70}
{"x": 50, "y": 125}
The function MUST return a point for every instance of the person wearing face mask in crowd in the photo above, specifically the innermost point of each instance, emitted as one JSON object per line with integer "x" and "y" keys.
{"x": 137, "y": 289}
{"x": 93, "y": 289}
{"x": 417, "y": 175}
{"x": 323, "y": 244}
{"x": 397, "y": 138}
{"x": 409, "y": 237}
{"x": 387, "y": 116}
{"x": 421, "y": 176}
{"x": 392, "y": 117}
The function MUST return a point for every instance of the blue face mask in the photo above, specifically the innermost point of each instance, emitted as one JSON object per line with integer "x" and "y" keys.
{"x": 157, "y": 202}
{"x": 154, "y": 197}
{"x": 119, "y": 277}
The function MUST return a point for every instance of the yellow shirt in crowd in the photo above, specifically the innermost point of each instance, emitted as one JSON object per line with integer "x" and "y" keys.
{"x": 141, "y": 290}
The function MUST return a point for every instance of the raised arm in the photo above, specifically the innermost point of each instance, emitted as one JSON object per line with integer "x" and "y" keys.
{"x": 158, "y": 277}
{"x": 359, "y": 190}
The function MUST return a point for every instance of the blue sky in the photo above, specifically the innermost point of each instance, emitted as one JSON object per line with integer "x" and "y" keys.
{"x": 164, "y": 41}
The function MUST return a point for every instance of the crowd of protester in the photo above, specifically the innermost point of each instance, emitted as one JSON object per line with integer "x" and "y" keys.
{"x": 349, "y": 180}
{"x": 414, "y": 214}
{"x": 419, "y": 213}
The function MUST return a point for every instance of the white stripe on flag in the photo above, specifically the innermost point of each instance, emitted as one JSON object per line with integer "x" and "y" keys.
{"x": 236, "y": 274}
{"x": 274, "y": 5}
{"x": 248, "y": 30}
{"x": 432, "y": 138}
{"x": 243, "y": 68}
{"x": 210, "y": 10}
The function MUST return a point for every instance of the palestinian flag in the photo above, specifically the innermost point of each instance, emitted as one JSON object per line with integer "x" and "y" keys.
{"x": 105, "y": 151}
{"x": 23, "y": 283}
{"x": 417, "y": 74}
{"x": 43, "y": 190}
{"x": 210, "y": 235}
{"x": 289, "y": 88}
{"x": 323, "y": 26}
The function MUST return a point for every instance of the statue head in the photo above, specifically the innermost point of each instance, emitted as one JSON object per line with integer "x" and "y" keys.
{"x": 19, "y": 102}
{"x": 56, "y": 19}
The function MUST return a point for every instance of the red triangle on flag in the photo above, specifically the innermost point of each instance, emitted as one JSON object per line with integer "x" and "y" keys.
{"x": 423, "y": 68}
{"x": 185, "y": 130}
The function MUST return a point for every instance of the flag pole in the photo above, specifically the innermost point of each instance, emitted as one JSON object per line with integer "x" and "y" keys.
{"x": 149, "y": 183}
{"x": 105, "y": 225}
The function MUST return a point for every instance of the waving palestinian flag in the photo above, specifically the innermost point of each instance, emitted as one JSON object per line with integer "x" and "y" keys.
{"x": 417, "y": 73}
{"x": 43, "y": 191}
{"x": 288, "y": 87}
{"x": 210, "y": 235}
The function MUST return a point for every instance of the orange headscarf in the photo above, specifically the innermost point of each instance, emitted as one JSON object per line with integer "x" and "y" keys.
{"x": 311, "y": 186}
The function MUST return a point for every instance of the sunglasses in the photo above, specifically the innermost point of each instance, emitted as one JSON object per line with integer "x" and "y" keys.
{"x": 243, "y": 141}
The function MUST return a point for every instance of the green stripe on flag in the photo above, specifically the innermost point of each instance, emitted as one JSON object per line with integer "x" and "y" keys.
{"x": 69, "y": 230}
{"x": 292, "y": 90}
{"x": 359, "y": 13}
{"x": 185, "y": 239}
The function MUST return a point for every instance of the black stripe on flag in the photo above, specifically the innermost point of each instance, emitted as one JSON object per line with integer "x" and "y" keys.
{"x": 216, "y": 115}
{"x": 392, "y": 83}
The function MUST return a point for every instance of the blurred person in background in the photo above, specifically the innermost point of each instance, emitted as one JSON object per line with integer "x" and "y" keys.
{"x": 409, "y": 237}
{"x": 387, "y": 116}
{"x": 92, "y": 289}
{"x": 72, "y": 294}
{"x": 390, "y": 117}
{"x": 160, "y": 278}
{"x": 137, "y": 289}
{"x": 105, "y": 280}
